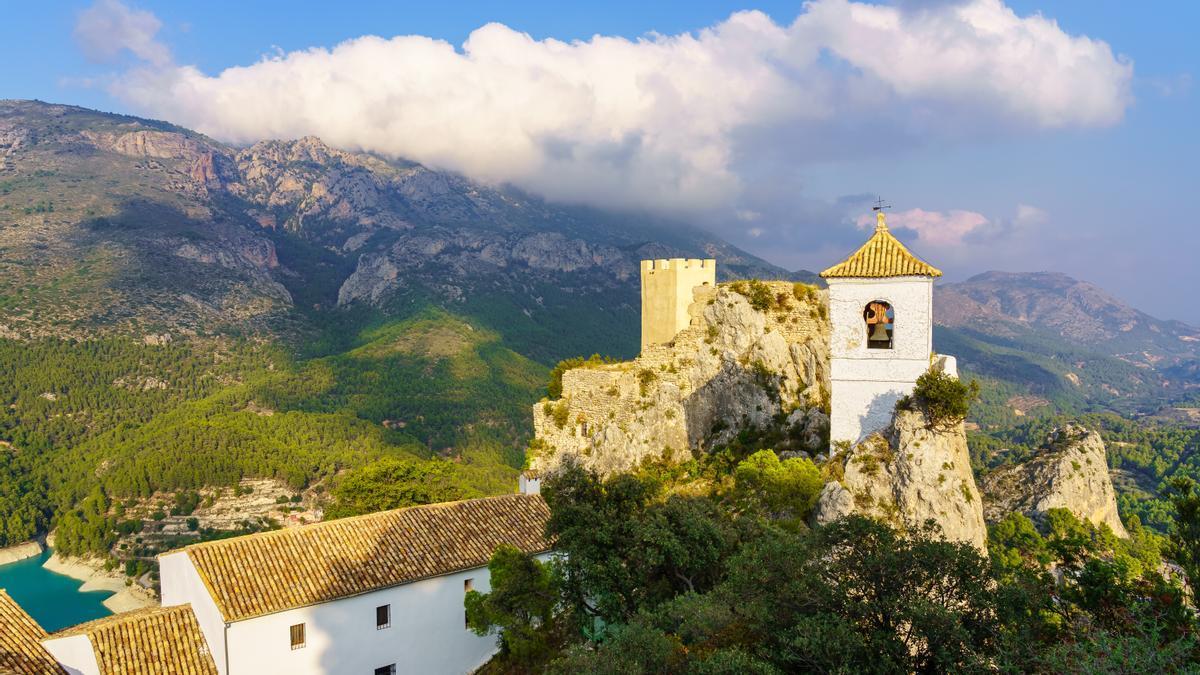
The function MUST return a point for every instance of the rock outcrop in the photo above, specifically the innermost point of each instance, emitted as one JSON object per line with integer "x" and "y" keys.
{"x": 907, "y": 474}
{"x": 1070, "y": 471}
{"x": 734, "y": 366}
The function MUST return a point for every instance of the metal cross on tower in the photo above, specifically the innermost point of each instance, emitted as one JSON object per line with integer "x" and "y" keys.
{"x": 879, "y": 205}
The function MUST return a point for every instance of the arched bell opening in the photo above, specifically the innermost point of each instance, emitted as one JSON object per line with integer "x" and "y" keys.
{"x": 880, "y": 321}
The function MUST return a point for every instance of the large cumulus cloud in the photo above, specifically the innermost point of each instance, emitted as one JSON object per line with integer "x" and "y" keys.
{"x": 715, "y": 121}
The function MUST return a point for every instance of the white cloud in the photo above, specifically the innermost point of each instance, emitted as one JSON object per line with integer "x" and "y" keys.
{"x": 1030, "y": 216}
{"x": 109, "y": 27}
{"x": 699, "y": 123}
{"x": 934, "y": 228}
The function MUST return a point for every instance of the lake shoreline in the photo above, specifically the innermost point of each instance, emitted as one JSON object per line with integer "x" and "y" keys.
{"x": 22, "y": 551}
{"x": 91, "y": 572}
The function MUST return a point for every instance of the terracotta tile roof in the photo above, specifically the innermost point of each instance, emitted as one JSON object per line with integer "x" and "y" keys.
{"x": 882, "y": 256}
{"x": 147, "y": 642}
{"x": 274, "y": 571}
{"x": 21, "y": 651}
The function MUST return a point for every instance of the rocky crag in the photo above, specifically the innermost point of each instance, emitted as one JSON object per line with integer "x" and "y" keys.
{"x": 734, "y": 366}
{"x": 905, "y": 475}
{"x": 1070, "y": 471}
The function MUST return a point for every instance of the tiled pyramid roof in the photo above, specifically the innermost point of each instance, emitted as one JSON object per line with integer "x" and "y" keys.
{"x": 882, "y": 256}
{"x": 274, "y": 571}
{"x": 148, "y": 642}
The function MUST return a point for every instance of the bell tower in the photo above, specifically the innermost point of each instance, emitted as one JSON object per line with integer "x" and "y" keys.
{"x": 881, "y": 338}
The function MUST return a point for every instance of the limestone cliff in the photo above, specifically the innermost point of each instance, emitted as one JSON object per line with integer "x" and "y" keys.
{"x": 905, "y": 475}
{"x": 734, "y": 366}
{"x": 1070, "y": 471}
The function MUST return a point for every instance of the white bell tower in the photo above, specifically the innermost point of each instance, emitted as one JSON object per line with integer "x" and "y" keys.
{"x": 881, "y": 315}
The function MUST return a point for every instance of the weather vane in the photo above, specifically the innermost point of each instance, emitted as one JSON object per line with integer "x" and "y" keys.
{"x": 879, "y": 205}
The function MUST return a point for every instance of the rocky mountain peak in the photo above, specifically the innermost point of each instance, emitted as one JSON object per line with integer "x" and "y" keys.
{"x": 1070, "y": 471}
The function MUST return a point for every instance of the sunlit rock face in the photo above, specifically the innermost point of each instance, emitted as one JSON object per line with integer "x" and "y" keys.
{"x": 907, "y": 474}
{"x": 1070, "y": 472}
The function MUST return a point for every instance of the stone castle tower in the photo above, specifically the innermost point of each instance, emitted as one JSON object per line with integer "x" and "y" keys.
{"x": 881, "y": 340}
{"x": 667, "y": 293}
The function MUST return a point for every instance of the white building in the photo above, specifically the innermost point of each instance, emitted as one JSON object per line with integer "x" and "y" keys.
{"x": 375, "y": 594}
{"x": 380, "y": 593}
{"x": 881, "y": 339}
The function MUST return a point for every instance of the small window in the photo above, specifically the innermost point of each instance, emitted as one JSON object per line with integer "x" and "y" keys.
{"x": 383, "y": 617}
{"x": 386, "y": 670}
{"x": 880, "y": 322}
{"x": 468, "y": 586}
{"x": 298, "y": 636}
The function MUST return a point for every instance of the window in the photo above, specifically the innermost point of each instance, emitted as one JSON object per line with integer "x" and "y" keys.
{"x": 383, "y": 617}
{"x": 386, "y": 670}
{"x": 298, "y": 636}
{"x": 468, "y": 586}
{"x": 880, "y": 322}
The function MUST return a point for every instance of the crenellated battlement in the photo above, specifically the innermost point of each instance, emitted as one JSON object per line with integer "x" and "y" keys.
{"x": 661, "y": 264}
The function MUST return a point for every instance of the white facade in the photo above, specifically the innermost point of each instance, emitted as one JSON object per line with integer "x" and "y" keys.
{"x": 866, "y": 383}
{"x": 74, "y": 654}
{"x": 427, "y": 635}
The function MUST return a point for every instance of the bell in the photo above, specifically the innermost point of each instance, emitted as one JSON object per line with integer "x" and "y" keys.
{"x": 879, "y": 334}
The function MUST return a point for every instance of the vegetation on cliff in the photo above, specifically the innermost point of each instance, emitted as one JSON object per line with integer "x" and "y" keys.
{"x": 660, "y": 574}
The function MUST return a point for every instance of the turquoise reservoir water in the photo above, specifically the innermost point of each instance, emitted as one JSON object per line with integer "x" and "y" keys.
{"x": 53, "y": 600}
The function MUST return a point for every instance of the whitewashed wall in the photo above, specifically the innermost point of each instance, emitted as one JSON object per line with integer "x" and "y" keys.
{"x": 75, "y": 654}
{"x": 181, "y": 584}
{"x": 867, "y": 382}
{"x": 428, "y": 632}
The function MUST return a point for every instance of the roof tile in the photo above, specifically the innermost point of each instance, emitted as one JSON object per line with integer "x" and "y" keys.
{"x": 882, "y": 256}
{"x": 148, "y": 642}
{"x": 21, "y": 651}
{"x": 275, "y": 571}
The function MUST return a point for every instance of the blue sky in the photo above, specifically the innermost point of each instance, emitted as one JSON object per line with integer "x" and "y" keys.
{"x": 1091, "y": 172}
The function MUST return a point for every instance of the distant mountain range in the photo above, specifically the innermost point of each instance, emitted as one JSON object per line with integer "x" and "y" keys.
{"x": 130, "y": 224}
{"x": 1054, "y": 339}
{"x": 112, "y": 224}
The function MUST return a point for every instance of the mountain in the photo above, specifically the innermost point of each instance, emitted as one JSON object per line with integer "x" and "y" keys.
{"x": 129, "y": 225}
{"x": 177, "y": 313}
{"x": 1049, "y": 341}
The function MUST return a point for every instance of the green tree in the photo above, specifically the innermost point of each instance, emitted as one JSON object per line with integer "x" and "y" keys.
{"x": 625, "y": 548}
{"x": 1185, "y": 533}
{"x": 520, "y": 608}
{"x": 392, "y": 483}
{"x": 782, "y": 489}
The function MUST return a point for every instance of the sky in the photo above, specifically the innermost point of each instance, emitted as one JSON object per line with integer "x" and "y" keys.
{"x": 1018, "y": 135}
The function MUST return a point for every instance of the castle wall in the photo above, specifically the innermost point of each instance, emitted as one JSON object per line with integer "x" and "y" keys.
{"x": 867, "y": 382}
{"x": 667, "y": 293}
{"x": 670, "y": 398}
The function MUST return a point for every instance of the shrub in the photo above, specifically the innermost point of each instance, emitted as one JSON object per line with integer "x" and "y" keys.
{"x": 558, "y": 412}
{"x": 944, "y": 399}
{"x": 757, "y": 293}
{"x": 646, "y": 378}
{"x": 804, "y": 292}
